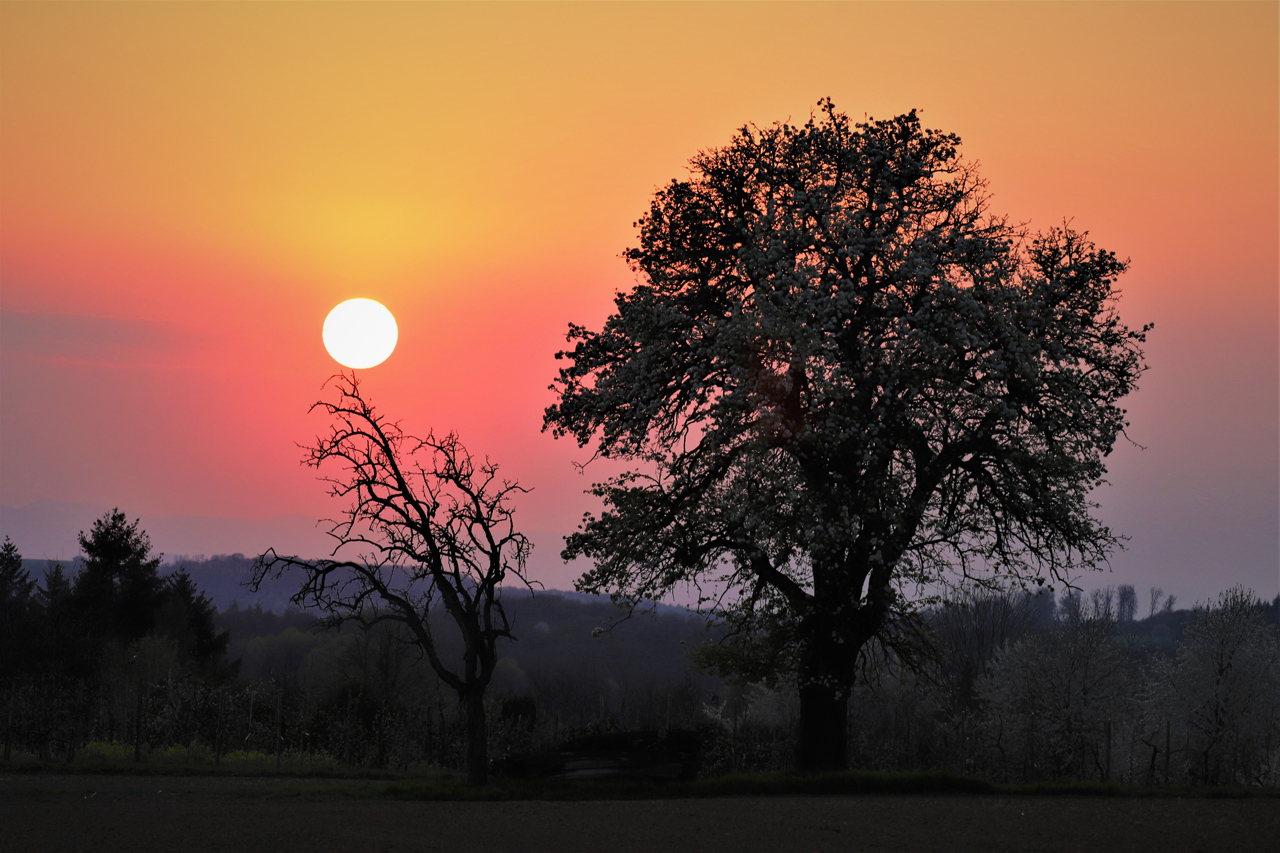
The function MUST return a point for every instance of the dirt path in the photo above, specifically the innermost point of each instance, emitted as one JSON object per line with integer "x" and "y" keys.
{"x": 157, "y": 814}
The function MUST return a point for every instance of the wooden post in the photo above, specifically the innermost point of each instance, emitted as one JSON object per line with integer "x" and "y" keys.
{"x": 431, "y": 738}
{"x": 8, "y": 729}
{"x": 1166, "y": 752}
{"x": 217, "y": 737}
{"x": 279, "y": 725}
{"x": 77, "y": 722}
{"x": 137, "y": 729}
{"x": 1106, "y": 772}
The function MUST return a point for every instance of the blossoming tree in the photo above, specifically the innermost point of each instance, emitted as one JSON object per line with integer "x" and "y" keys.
{"x": 838, "y": 374}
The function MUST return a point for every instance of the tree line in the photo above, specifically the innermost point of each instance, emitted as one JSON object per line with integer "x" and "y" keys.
{"x": 1189, "y": 697}
{"x": 77, "y": 649}
{"x": 1007, "y": 686}
{"x": 130, "y": 664}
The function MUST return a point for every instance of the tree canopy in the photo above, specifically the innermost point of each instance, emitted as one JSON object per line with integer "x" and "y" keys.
{"x": 840, "y": 374}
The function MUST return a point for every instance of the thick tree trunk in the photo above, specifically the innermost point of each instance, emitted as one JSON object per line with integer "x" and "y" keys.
{"x": 477, "y": 739}
{"x": 826, "y": 676}
{"x": 823, "y": 729}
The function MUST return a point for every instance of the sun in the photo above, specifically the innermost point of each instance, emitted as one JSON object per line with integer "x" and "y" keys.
{"x": 360, "y": 333}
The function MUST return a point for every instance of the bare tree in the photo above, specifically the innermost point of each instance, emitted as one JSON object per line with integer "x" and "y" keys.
{"x": 1156, "y": 594}
{"x": 433, "y": 528}
{"x": 1126, "y": 603}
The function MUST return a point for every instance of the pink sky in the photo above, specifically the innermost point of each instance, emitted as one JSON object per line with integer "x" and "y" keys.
{"x": 187, "y": 189}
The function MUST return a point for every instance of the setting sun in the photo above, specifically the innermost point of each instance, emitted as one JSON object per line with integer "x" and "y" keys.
{"x": 360, "y": 333}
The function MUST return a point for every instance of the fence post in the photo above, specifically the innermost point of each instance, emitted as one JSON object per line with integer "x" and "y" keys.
{"x": 279, "y": 725}
{"x": 1106, "y": 777}
{"x": 217, "y": 737}
{"x": 76, "y": 721}
{"x": 1166, "y": 752}
{"x": 137, "y": 728}
{"x": 8, "y": 729}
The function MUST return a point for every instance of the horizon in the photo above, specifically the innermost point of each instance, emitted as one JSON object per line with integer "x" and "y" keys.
{"x": 544, "y": 560}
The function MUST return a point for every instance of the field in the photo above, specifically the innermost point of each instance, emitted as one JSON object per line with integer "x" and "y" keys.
{"x": 110, "y": 812}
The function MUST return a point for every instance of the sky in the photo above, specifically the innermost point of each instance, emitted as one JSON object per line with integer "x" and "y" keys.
{"x": 186, "y": 190}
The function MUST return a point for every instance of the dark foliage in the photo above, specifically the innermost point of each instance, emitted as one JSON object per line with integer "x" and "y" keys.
{"x": 840, "y": 374}
{"x": 17, "y": 624}
{"x": 186, "y": 616}
{"x": 118, "y": 590}
{"x": 79, "y": 648}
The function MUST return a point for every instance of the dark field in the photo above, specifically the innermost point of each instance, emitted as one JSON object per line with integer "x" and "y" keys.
{"x": 194, "y": 814}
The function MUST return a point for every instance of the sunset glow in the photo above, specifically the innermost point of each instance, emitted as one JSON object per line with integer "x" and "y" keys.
{"x": 479, "y": 168}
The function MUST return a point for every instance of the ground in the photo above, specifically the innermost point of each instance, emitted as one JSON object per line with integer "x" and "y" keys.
{"x": 156, "y": 813}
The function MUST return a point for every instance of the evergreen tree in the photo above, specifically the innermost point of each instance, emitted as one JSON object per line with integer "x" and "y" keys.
{"x": 119, "y": 589}
{"x": 62, "y": 644}
{"x": 186, "y": 617}
{"x": 16, "y": 622}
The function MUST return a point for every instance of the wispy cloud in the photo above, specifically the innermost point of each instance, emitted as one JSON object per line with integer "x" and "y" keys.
{"x": 87, "y": 339}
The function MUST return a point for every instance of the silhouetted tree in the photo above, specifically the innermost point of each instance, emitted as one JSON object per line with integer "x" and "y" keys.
{"x": 968, "y": 631}
{"x": 1156, "y": 593}
{"x": 434, "y": 528}
{"x": 840, "y": 374}
{"x": 15, "y": 582}
{"x": 118, "y": 589}
{"x": 186, "y": 616}
{"x": 1126, "y": 603}
{"x": 65, "y": 647}
{"x": 16, "y": 613}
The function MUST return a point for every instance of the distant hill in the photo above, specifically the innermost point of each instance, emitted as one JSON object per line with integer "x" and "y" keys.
{"x": 559, "y": 637}
{"x": 48, "y": 530}
{"x": 223, "y": 579}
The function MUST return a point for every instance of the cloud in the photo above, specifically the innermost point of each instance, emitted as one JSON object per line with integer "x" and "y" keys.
{"x": 93, "y": 340}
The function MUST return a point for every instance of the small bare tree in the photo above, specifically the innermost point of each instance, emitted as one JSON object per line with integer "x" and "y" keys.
{"x": 433, "y": 528}
{"x": 1156, "y": 594}
{"x": 1126, "y": 603}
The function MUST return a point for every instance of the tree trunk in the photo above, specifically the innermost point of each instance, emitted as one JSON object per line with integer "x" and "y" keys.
{"x": 477, "y": 739}
{"x": 823, "y": 729}
{"x": 826, "y": 676}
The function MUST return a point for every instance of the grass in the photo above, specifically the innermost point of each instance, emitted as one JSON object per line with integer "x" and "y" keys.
{"x": 117, "y": 759}
{"x": 297, "y": 779}
{"x": 849, "y": 783}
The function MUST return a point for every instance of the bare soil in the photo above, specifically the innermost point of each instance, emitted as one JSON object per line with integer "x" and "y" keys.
{"x": 119, "y": 813}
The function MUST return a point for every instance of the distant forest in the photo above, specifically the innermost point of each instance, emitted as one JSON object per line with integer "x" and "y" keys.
{"x": 157, "y": 664}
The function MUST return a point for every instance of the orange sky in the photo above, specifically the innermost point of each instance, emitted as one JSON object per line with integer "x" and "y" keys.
{"x": 187, "y": 189}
